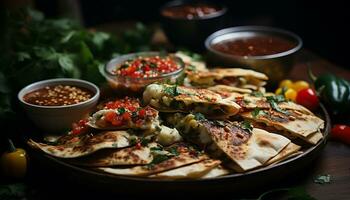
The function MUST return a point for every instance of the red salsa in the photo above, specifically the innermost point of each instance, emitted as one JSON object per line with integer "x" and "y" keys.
{"x": 147, "y": 67}
{"x": 124, "y": 111}
{"x": 254, "y": 46}
{"x": 58, "y": 95}
{"x": 190, "y": 11}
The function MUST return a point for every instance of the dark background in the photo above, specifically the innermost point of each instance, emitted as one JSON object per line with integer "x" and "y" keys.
{"x": 323, "y": 25}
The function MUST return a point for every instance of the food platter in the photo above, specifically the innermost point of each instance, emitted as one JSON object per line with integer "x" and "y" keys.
{"x": 239, "y": 183}
{"x": 189, "y": 136}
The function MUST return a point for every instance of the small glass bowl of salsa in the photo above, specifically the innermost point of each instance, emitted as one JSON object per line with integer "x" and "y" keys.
{"x": 133, "y": 72}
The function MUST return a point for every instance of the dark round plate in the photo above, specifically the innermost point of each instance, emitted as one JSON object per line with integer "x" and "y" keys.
{"x": 239, "y": 182}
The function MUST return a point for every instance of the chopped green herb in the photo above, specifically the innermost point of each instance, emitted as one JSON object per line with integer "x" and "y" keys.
{"x": 158, "y": 159}
{"x": 247, "y": 125}
{"x": 274, "y": 100}
{"x": 121, "y": 110}
{"x": 246, "y": 101}
{"x": 191, "y": 68}
{"x": 199, "y": 116}
{"x": 257, "y": 94}
{"x": 133, "y": 141}
{"x": 257, "y": 111}
{"x": 171, "y": 90}
{"x": 173, "y": 150}
{"x": 322, "y": 179}
{"x": 145, "y": 141}
{"x": 156, "y": 148}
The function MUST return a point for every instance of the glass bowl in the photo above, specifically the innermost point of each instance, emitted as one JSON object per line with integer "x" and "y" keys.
{"x": 137, "y": 85}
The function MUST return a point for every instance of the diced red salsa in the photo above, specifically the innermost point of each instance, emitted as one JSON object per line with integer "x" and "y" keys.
{"x": 128, "y": 110}
{"x": 80, "y": 127}
{"x": 146, "y": 67}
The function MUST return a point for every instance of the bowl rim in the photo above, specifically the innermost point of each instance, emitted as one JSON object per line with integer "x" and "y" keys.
{"x": 268, "y": 29}
{"x": 173, "y": 3}
{"x": 46, "y": 82}
{"x": 122, "y": 58}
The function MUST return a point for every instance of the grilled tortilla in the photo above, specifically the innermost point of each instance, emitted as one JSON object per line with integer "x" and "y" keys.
{"x": 249, "y": 149}
{"x": 237, "y": 77}
{"x": 215, "y": 172}
{"x": 290, "y": 149}
{"x": 172, "y": 98}
{"x": 112, "y": 157}
{"x": 294, "y": 122}
{"x": 248, "y": 101}
{"x": 193, "y": 171}
{"x": 160, "y": 163}
{"x": 85, "y": 145}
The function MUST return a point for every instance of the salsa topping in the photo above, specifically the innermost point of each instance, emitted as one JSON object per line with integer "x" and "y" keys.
{"x": 190, "y": 11}
{"x": 254, "y": 46}
{"x": 58, "y": 95}
{"x": 127, "y": 110}
{"x": 147, "y": 67}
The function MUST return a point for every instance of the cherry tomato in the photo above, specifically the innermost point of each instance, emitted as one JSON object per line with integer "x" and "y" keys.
{"x": 290, "y": 94}
{"x": 308, "y": 98}
{"x": 341, "y": 132}
{"x": 142, "y": 113}
{"x": 286, "y": 83}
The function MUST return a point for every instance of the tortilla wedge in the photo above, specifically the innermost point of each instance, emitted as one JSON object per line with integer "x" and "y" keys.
{"x": 290, "y": 149}
{"x": 172, "y": 98}
{"x": 215, "y": 172}
{"x": 248, "y": 149}
{"x": 296, "y": 123}
{"x": 193, "y": 171}
{"x": 116, "y": 157}
{"x": 243, "y": 78}
{"x": 172, "y": 163}
{"x": 85, "y": 145}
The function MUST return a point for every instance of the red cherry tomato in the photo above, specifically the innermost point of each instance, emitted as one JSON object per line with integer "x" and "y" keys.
{"x": 341, "y": 132}
{"x": 308, "y": 98}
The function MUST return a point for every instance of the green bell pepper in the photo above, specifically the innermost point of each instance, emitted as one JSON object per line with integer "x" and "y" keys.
{"x": 333, "y": 91}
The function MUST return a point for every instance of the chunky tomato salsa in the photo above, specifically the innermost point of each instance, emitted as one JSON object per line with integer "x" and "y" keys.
{"x": 147, "y": 67}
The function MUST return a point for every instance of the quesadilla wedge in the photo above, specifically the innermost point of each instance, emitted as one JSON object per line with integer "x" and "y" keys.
{"x": 242, "y": 78}
{"x": 254, "y": 100}
{"x": 248, "y": 147}
{"x": 172, "y": 98}
{"x": 123, "y": 114}
{"x": 85, "y": 145}
{"x": 290, "y": 149}
{"x": 193, "y": 171}
{"x": 215, "y": 172}
{"x": 136, "y": 155}
{"x": 178, "y": 155}
{"x": 294, "y": 122}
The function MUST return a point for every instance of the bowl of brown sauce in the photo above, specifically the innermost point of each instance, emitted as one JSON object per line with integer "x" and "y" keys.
{"x": 269, "y": 50}
{"x": 55, "y": 104}
{"x": 188, "y": 23}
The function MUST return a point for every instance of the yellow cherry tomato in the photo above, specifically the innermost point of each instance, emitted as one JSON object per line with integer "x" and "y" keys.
{"x": 14, "y": 164}
{"x": 290, "y": 94}
{"x": 286, "y": 83}
{"x": 300, "y": 85}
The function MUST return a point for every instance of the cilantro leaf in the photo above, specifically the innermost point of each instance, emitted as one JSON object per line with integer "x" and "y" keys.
{"x": 322, "y": 179}
{"x": 274, "y": 100}
{"x": 257, "y": 94}
{"x": 199, "y": 116}
{"x": 171, "y": 90}
{"x": 257, "y": 111}
{"x": 246, "y": 125}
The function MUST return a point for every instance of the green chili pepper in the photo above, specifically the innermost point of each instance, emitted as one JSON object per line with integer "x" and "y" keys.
{"x": 333, "y": 91}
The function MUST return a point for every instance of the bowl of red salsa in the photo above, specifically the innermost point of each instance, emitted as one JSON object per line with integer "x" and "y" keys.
{"x": 269, "y": 50}
{"x": 133, "y": 72}
{"x": 54, "y": 105}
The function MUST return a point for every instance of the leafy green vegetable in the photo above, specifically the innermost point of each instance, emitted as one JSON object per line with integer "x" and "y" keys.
{"x": 173, "y": 150}
{"x": 257, "y": 111}
{"x": 274, "y": 100}
{"x": 247, "y": 125}
{"x": 322, "y": 179}
{"x": 199, "y": 116}
{"x": 257, "y": 94}
{"x": 37, "y": 48}
{"x": 121, "y": 110}
{"x": 171, "y": 90}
